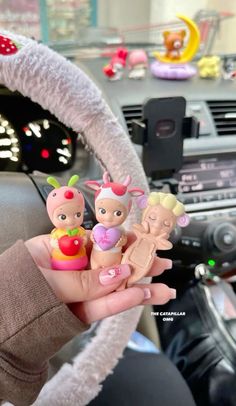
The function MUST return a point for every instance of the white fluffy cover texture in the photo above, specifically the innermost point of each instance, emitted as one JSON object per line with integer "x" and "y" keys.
{"x": 66, "y": 91}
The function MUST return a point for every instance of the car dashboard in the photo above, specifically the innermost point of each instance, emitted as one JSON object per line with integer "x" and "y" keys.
{"x": 206, "y": 182}
{"x": 32, "y": 139}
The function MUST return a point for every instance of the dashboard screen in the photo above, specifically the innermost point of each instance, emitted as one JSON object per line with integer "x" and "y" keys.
{"x": 207, "y": 174}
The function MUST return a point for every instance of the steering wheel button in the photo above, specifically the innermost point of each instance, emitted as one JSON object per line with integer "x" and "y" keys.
{"x": 225, "y": 264}
{"x": 196, "y": 244}
{"x": 228, "y": 239}
{"x": 186, "y": 242}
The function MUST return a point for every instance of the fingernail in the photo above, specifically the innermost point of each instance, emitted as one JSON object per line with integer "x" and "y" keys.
{"x": 169, "y": 264}
{"x": 172, "y": 293}
{"x": 147, "y": 293}
{"x": 115, "y": 274}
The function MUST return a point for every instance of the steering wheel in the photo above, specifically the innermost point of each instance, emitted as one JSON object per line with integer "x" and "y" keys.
{"x": 66, "y": 91}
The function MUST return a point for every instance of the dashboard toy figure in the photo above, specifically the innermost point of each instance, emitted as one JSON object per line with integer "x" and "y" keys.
{"x": 138, "y": 63}
{"x": 112, "y": 205}
{"x": 174, "y": 42}
{"x": 115, "y": 68}
{"x": 162, "y": 211}
{"x": 173, "y": 64}
{"x": 229, "y": 70}
{"x": 209, "y": 67}
{"x": 65, "y": 207}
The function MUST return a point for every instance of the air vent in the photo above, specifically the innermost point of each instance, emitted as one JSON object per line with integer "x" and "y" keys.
{"x": 132, "y": 113}
{"x": 224, "y": 116}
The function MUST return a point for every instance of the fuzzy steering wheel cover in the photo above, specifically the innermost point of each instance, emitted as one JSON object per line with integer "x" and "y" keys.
{"x": 66, "y": 91}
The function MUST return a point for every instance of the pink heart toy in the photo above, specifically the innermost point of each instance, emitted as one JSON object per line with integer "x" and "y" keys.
{"x": 106, "y": 238}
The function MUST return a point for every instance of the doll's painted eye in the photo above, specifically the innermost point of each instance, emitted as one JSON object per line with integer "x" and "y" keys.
{"x": 102, "y": 211}
{"x": 118, "y": 213}
{"x": 77, "y": 215}
{"x": 62, "y": 217}
{"x": 54, "y": 194}
{"x": 166, "y": 223}
{"x": 152, "y": 217}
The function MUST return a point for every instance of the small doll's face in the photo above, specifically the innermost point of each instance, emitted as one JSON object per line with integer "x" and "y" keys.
{"x": 69, "y": 215}
{"x": 110, "y": 212}
{"x": 160, "y": 220}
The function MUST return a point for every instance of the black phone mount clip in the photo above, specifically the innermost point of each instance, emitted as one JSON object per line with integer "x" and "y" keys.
{"x": 161, "y": 132}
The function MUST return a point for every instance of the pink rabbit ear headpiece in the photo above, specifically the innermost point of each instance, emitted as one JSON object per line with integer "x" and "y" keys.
{"x": 115, "y": 191}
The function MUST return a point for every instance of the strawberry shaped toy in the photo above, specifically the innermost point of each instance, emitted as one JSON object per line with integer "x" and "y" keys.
{"x": 7, "y": 46}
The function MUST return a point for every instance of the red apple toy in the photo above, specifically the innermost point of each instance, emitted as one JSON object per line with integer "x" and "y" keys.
{"x": 70, "y": 245}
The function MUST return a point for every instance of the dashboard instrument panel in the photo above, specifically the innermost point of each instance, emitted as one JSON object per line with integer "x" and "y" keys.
{"x": 31, "y": 138}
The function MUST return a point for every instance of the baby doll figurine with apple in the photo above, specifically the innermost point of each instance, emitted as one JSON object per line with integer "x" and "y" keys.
{"x": 161, "y": 213}
{"x": 65, "y": 207}
{"x": 112, "y": 205}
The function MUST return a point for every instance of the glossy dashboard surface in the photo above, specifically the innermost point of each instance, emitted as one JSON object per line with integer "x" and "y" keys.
{"x": 208, "y": 99}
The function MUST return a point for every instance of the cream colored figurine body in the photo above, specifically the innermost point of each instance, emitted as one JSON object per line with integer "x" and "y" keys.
{"x": 161, "y": 213}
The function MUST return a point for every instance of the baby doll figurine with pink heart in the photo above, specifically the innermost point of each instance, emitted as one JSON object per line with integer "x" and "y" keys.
{"x": 112, "y": 205}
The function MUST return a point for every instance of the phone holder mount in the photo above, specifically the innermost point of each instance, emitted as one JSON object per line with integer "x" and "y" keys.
{"x": 161, "y": 132}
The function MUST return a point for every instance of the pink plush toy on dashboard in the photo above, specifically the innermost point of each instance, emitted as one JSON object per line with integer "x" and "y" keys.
{"x": 65, "y": 207}
{"x": 137, "y": 63}
{"x": 112, "y": 205}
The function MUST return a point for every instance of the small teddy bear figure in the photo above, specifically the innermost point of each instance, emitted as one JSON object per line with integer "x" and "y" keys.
{"x": 174, "y": 42}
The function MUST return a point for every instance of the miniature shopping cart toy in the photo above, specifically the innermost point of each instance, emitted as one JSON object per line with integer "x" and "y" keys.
{"x": 65, "y": 207}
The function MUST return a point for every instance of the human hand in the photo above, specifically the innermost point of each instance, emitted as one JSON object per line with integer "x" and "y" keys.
{"x": 162, "y": 242}
{"x": 140, "y": 229}
{"x": 85, "y": 239}
{"x": 122, "y": 241}
{"x": 92, "y": 239}
{"x": 91, "y": 293}
{"x": 54, "y": 243}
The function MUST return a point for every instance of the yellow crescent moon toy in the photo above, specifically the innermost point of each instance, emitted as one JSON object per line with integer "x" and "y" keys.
{"x": 191, "y": 47}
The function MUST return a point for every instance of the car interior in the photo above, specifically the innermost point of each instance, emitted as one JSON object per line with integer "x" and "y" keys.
{"x": 184, "y": 133}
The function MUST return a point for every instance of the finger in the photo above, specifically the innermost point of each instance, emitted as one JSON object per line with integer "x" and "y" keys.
{"x": 109, "y": 305}
{"x": 160, "y": 293}
{"x": 130, "y": 239}
{"x": 159, "y": 266}
{"x": 89, "y": 244}
{"x": 77, "y": 286}
{"x": 40, "y": 249}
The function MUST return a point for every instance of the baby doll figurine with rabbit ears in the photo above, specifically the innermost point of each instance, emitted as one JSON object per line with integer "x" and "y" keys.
{"x": 113, "y": 202}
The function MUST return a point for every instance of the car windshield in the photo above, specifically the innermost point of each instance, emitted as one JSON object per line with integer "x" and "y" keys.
{"x": 89, "y": 26}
